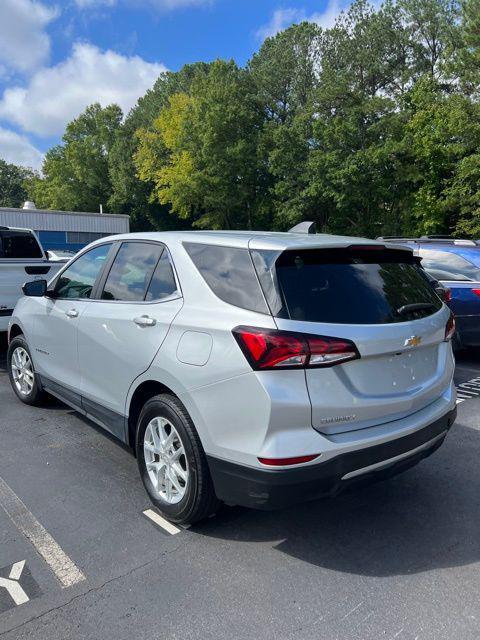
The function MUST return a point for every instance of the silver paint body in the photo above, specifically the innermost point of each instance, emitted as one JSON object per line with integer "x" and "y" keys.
{"x": 240, "y": 415}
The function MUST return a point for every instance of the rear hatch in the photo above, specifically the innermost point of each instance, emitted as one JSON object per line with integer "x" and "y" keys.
{"x": 376, "y": 298}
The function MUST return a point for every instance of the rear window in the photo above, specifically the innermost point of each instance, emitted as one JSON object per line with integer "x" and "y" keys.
{"x": 229, "y": 273}
{"x": 444, "y": 265}
{"x": 345, "y": 286}
{"x": 19, "y": 245}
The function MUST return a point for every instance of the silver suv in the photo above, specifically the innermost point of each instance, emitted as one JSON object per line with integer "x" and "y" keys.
{"x": 259, "y": 369}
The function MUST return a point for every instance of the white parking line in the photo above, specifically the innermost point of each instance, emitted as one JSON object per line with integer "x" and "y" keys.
{"x": 62, "y": 566}
{"x": 165, "y": 524}
{"x": 468, "y": 390}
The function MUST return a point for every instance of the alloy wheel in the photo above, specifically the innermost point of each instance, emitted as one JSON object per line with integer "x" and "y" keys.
{"x": 165, "y": 460}
{"x": 22, "y": 371}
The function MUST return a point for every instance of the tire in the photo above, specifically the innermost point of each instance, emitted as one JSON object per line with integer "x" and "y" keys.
{"x": 27, "y": 387}
{"x": 192, "y": 498}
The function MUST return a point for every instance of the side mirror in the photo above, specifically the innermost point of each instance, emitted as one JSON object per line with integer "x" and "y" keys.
{"x": 35, "y": 288}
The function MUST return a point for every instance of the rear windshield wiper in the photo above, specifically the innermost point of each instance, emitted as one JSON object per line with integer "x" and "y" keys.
{"x": 416, "y": 306}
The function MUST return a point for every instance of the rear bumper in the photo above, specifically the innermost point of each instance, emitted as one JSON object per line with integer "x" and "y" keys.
{"x": 273, "y": 489}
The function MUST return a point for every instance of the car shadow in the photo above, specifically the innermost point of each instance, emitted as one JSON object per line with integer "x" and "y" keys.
{"x": 424, "y": 519}
{"x": 468, "y": 360}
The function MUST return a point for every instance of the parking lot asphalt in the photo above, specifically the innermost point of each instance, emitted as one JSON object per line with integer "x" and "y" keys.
{"x": 398, "y": 559}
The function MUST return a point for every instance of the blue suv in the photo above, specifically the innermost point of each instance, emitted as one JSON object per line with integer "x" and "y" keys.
{"x": 455, "y": 263}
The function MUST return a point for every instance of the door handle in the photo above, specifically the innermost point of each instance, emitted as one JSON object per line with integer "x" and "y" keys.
{"x": 145, "y": 321}
{"x": 72, "y": 313}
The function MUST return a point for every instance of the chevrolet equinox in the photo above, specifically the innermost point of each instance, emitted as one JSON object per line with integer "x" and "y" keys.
{"x": 250, "y": 368}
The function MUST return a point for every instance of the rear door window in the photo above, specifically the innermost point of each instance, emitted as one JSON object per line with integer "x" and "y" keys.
{"x": 163, "y": 282}
{"x": 229, "y": 273}
{"x": 17, "y": 245}
{"x": 132, "y": 271}
{"x": 345, "y": 286}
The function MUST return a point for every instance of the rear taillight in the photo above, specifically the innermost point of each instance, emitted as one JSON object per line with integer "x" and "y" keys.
{"x": 448, "y": 295}
{"x": 284, "y": 462}
{"x": 476, "y": 292}
{"x": 450, "y": 328}
{"x": 272, "y": 349}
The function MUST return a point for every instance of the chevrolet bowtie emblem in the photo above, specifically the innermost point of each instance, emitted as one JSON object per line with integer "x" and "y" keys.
{"x": 413, "y": 341}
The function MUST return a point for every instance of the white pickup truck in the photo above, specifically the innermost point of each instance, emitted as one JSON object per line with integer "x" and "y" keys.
{"x": 22, "y": 258}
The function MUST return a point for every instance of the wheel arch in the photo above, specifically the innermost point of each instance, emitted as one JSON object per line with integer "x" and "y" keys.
{"x": 144, "y": 391}
{"x": 15, "y": 330}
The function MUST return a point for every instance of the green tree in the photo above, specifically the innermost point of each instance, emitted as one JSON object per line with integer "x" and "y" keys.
{"x": 76, "y": 173}
{"x": 210, "y": 173}
{"x": 285, "y": 71}
{"x": 15, "y": 184}
{"x": 356, "y": 168}
{"x": 463, "y": 196}
{"x": 285, "y": 74}
{"x": 130, "y": 195}
{"x": 433, "y": 28}
{"x": 443, "y": 135}
{"x": 466, "y": 61}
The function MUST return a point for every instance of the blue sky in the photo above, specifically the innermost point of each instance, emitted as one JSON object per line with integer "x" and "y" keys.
{"x": 58, "y": 57}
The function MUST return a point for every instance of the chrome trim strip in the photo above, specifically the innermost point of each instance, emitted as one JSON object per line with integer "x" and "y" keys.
{"x": 390, "y": 461}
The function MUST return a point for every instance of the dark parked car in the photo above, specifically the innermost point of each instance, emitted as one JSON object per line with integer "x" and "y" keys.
{"x": 455, "y": 264}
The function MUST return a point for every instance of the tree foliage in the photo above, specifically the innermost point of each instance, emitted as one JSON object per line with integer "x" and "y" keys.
{"x": 14, "y": 184}
{"x": 370, "y": 127}
{"x": 202, "y": 154}
{"x": 76, "y": 173}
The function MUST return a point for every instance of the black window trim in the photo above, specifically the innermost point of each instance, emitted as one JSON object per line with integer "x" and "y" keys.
{"x": 53, "y": 283}
{"x": 99, "y": 286}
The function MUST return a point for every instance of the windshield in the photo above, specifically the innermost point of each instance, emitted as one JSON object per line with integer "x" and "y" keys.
{"x": 345, "y": 286}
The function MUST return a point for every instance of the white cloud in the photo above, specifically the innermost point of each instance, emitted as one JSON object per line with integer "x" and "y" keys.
{"x": 24, "y": 45}
{"x": 19, "y": 150}
{"x": 283, "y": 18}
{"x": 55, "y": 95}
{"x": 327, "y": 18}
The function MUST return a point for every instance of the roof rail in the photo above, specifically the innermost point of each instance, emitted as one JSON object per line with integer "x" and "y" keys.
{"x": 396, "y": 239}
{"x": 465, "y": 242}
{"x": 304, "y": 227}
{"x": 457, "y": 241}
{"x": 437, "y": 237}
